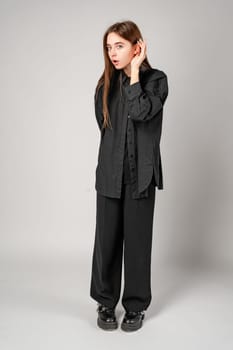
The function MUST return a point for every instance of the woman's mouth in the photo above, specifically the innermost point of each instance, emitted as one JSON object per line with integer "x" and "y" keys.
{"x": 115, "y": 62}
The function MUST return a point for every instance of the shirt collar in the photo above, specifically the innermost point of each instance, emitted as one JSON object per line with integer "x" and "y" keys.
{"x": 126, "y": 78}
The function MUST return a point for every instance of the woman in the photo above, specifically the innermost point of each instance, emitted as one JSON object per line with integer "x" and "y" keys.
{"x": 129, "y": 99}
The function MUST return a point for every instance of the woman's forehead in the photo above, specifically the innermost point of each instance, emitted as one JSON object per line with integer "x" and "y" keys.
{"x": 115, "y": 39}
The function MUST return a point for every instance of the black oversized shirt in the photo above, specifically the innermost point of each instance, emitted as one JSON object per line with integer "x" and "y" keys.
{"x": 136, "y": 117}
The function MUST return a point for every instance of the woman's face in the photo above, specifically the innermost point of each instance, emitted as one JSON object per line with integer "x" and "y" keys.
{"x": 120, "y": 51}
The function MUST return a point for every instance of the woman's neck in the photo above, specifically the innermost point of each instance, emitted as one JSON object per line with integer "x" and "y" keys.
{"x": 127, "y": 70}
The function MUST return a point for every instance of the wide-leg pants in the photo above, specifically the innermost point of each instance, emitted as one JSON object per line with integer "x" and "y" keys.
{"x": 124, "y": 229}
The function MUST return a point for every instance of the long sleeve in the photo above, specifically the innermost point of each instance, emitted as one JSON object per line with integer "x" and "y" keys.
{"x": 98, "y": 108}
{"x": 144, "y": 103}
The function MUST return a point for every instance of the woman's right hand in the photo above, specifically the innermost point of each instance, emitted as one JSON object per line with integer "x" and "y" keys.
{"x": 140, "y": 56}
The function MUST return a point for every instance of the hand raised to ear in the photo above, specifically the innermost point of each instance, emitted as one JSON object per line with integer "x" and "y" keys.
{"x": 139, "y": 57}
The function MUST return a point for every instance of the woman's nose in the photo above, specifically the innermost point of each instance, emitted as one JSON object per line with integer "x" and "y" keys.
{"x": 112, "y": 52}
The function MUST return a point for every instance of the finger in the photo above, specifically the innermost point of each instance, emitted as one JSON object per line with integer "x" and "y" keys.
{"x": 140, "y": 41}
{"x": 143, "y": 46}
{"x": 145, "y": 43}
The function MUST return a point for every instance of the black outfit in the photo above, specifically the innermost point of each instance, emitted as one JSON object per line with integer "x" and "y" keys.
{"x": 123, "y": 214}
{"x": 136, "y": 111}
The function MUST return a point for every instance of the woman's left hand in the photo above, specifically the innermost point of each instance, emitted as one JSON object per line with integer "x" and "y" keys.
{"x": 139, "y": 57}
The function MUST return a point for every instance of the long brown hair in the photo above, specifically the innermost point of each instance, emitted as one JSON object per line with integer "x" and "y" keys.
{"x": 129, "y": 31}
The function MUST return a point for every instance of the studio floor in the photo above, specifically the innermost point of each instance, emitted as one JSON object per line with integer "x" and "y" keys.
{"x": 45, "y": 304}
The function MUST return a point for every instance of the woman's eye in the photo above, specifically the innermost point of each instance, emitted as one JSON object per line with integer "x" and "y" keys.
{"x": 118, "y": 46}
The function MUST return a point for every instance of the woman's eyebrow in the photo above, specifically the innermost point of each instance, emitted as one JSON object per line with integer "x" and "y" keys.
{"x": 118, "y": 42}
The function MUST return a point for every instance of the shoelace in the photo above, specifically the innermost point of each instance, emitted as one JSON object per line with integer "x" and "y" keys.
{"x": 102, "y": 308}
{"x": 136, "y": 312}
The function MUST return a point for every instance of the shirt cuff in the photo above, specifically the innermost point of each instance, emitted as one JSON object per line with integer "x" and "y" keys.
{"x": 133, "y": 90}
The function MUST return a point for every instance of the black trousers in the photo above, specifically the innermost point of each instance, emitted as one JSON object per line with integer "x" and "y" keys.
{"x": 124, "y": 228}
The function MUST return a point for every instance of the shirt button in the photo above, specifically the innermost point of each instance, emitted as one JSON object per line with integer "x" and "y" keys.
{"x": 128, "y": 116}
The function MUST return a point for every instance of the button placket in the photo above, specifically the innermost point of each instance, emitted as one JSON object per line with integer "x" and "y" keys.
{"x": 131, "y": 152}
{"x": 121, "y": 153}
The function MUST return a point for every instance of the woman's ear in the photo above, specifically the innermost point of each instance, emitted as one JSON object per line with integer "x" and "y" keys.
{"x": 137, "y": 49}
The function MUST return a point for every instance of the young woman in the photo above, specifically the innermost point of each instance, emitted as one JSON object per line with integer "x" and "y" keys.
{"x": 129, "y": 99}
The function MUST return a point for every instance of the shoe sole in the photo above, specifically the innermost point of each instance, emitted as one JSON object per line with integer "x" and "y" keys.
{"x": 107, "y": 326}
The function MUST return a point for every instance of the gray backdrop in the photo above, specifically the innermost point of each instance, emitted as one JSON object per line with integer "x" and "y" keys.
{"x": 51, "y": 58}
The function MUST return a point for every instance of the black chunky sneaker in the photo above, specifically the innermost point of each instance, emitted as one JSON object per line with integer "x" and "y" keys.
{"x": 132, "y": 320}
{"x": 106, "y": 317}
